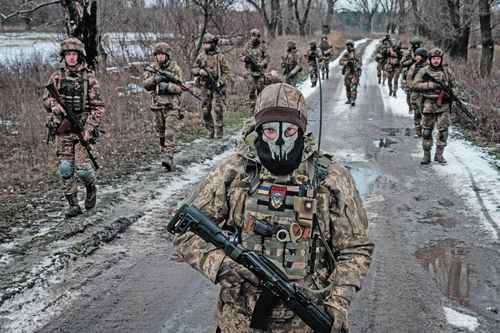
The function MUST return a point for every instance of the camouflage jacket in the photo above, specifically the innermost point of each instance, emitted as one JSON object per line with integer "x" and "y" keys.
{"x": 408, "y": 59}
{"x": 89, "y": 104}
{"x": 313, "y": 56}
{"x": 435, "y": 101}
{"x": 351, "y": 62}
{"x": 163, "y": 93}
{"x": 393, "y": 59}
{"x": 326, "y": 51}
{"x": 215, "y": 65}
{"x": 412, "y": 72}
{"x": 380, "y": 53}
{"x": 291, "y": 64}
{"x": 255, "y": 58}
{"x": 224, "y": 194}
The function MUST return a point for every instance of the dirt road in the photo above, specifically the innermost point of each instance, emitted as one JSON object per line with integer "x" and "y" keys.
{"x": 436, "y": 266}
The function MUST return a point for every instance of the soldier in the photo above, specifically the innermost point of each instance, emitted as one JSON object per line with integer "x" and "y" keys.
{"x": 436, "y": 105}
{"x": 326, "y": 56}
{"x": 415, "y": 98}
{"x": 79, "y": 90}
{"x": 312, "y": 56}
{"x": 381, "y": 55}
{"x": 351, "y": 62}
{"x": 291, "y": 64}
{"x": 267, "y": 183}
{"x": 165, "y": 101}
{"x": 406, "y": 62}
{"x": 392, "y": 67}
{"x": 256, "y": 60}
{"x": 211, "y": 71}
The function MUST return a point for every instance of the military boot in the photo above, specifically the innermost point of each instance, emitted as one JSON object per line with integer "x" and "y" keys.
{"x": 73, "y": 209}
{"x": 418, "y": 132}
{"x": 390, "y": 91}
{"x": 427, "y": 157}
{"x": 348, "y": 100}
{"x": 168, "y": 163}
{"x": 219, "y": 132}
{"x": 438, "y": 157}
{"x": 379, "y": 80}
{"x": 394, "y": 93}
{"x": 353, "y": 102}
{"x": 91, "y": 196}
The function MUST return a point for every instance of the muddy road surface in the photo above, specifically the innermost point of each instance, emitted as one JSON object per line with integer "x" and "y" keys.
{"x": 436, "y": 267}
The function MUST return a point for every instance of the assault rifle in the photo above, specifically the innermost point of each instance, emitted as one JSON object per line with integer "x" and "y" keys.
{"x": 214, "y": 84}
{"x": 274, "y": 284}
{"x": 169, "y": 77}
{"x": 254, "y": 64}
{"x": 449, "y": 92}
{"x": 76, "y": 126}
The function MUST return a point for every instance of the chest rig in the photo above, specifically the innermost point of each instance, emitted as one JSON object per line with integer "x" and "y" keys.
{"x": 73, "y": 91}
{"x": 279, "y": 222}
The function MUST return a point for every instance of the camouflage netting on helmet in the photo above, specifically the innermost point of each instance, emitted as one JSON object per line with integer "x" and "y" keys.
{"x": 162, "y": 47}
{"x": 281, "y": 102}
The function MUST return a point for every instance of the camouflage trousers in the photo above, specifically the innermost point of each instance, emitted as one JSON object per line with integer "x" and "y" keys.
{"x": 213, "y": 108}
{"x": 165, "y": 119}
{"x": 313, "y": 74}
{"x": 351, "y": 82}
{"x": 440, "y": 121}
{"x": 380, "y": 69}
{"x": 416, "y": 107}
{"x": 255, "y": 85}
{"x": 74, "y": 164}
{"x": 393, "y": 78}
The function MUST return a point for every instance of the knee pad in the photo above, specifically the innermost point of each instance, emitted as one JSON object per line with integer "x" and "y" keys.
{"x": 66, "y": 169}
{"x": 443, "y": 135}
{"x": 427, "y": 133}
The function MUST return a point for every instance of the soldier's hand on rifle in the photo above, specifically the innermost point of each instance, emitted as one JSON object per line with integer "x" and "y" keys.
{"x": 232, "y": 273}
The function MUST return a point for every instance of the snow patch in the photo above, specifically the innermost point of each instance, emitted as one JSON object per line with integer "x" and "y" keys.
{"x": 461, "y": 320}
{"x": 470, "y": 173}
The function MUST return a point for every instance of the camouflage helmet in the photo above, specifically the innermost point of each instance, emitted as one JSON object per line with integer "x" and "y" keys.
{"x": 72, "y": 44}
{"x": 255, "y": 33}
{"x": 291, "y": 44}
{"x": 324, "y": 37}
{"x": 281, "y": 102}
{"x": 421, "y": 52}
{"x": 209, "y": 38}
{"x": 312, "y": 43}
{"x": 349, "y": 42}
{"x": 162, "y": 47}
{"x": 416, "y": 41}
{"x": 436, "y": 52}
{"x": 387, "y": 36}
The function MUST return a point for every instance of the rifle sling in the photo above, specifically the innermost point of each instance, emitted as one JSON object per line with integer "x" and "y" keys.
{"x": 263, "y": 309}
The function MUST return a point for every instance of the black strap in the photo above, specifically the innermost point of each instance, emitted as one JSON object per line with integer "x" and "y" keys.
{"x": 263, "y": 309}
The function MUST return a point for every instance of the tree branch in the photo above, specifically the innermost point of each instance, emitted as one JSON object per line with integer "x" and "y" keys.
{"x": 24, "y": 12}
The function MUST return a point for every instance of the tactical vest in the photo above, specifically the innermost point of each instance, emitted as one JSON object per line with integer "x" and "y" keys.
{"x": 73, "y": 91}
{"x": 439, "y": 75}
{"x": 279, "y": 223}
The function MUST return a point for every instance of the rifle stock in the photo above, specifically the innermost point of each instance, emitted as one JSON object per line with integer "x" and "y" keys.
{"x": 170, "y": 78}
{"x": 273, "y": 282}
{"x": 75, "y": 124}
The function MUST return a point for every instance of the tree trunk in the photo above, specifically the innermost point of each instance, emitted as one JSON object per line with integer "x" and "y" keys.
{"x": 302, "y": 22}
{"x": 290, "y": 18}
{"x": 275, "y": 17}
{"x": 402, "y": 19}
{"x": 459, "y": 42}
{"x": 487, "y": 43}
{"x": 330, "y": 11}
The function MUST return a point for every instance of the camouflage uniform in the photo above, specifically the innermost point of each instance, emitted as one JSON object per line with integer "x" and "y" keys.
{"x": 326, "y": 57}
{"x": 436, "y": 106}
{"x": 406, "y": 62}
{"x": 392, "y": 68}
{"x": 165, "y": 101}
{"x": 291, "y": 64}
{"x": 80, "y": 92}
{"x": 415, "y": 98}
{"x": 381, "y": 55}
{"x": 351, "y": 70}
{"x": 241, "y": 191}
{"x": 312, "y": 56}
{"x": 211, "y": 71}
{"x": 256, "y": 59}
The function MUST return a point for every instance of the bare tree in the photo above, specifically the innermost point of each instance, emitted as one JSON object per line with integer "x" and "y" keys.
{"x": 368, "y": 8}
{"x": 330, "y": 12}
{"x": 302, "y": 21}
{"x": 390, "y": 10}
{"x": 270, "y": 11}
{"x": 487, "y": 42}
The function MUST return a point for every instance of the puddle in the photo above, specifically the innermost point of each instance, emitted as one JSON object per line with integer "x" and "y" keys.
{"x": 365, "y": 178}
{"x": 467, "y": 275}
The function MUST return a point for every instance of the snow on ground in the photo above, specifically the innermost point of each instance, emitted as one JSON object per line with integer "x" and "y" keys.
{"x": 471, "y": 173}
{"x": 461, "y": 320}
